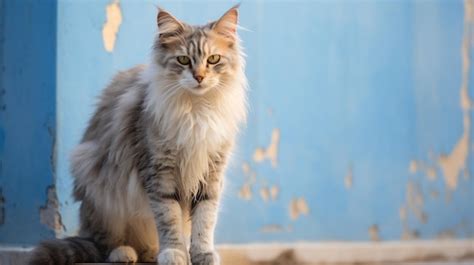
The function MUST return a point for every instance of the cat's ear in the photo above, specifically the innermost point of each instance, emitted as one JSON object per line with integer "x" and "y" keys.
{"x": 169, "y": 27}
{"x": 227, "y": 24}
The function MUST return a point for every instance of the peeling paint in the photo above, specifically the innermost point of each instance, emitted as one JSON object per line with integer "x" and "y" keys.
{"x": 455, "y": 162}
{"x": 274, "y": 191}
{"x": 348, "y": 178}
{"x": 410, "y": 234}
{"x": 271, "y": 152}
{"x": 428, "y": 170}
{"x": 273, "y": 228}
{"x": 403, "y": 213}
{"x": 434, "y": 194}
{"x": 431, "y": 173}
{"x": 413, "y": 167}
{"x": 265, "y": 194}
{"x": 298, "y": 207}
{"x": 374, "y": 233}
{"x": 415, "y": 201}
{"x": 2, "y": 208}
{"x": 245, "y": 192}
{"x": 49, "y": 214}
{"x": 112, "y": 25}
{"x": 446, "y": 234}
{"x": 246, "y": 168}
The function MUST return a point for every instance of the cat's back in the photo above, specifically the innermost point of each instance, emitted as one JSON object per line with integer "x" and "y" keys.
{"x": 125, "y": 89}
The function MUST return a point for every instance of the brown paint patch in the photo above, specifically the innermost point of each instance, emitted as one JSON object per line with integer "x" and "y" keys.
{"x": 431, "y": 173}
{"x": 265, "y": 194}
{"x": 273, "y": 228}
{"x": 402, "y": 212}
{"x": 434, "y": 194}
{"x": 415, "y": 201}
{"x": 245, "y": 192}
{"x": 409, "y": 234}
{"x": 455, "y": 162}
{"x": 49, "y": 214}
{"x": 274, "y": 191}
{"x": 374, "y": 233}
{"x": 298, "y": 207}
{"x": 271, "y": 152}
{"x": 111, "y": 25}
{"x": 446, "y": 234}
{"x": 428, "y": 170}
{"x": 348, "y": 178}
{"x": 413, "y": 167}
{"x": 246, "y": 168}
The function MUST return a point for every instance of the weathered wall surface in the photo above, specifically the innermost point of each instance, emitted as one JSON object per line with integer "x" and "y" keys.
{"x": 27, "y": 120}
{"x": 360, "y": 121}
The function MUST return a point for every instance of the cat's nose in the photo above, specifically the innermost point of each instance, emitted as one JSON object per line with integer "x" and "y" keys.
{"x": 199, "y": 78}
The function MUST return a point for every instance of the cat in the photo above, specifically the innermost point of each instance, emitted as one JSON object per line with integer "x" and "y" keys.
{"x": 150, "y": 166}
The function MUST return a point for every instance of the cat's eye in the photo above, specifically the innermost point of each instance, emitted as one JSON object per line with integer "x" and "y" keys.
{"x": 213, "y": 59}
{"x": 184, "y": 60}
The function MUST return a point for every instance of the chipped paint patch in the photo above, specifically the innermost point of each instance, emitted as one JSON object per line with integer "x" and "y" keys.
{"x": 245, "y": 192}
{"x": 246, "y": 168}
{"x": 49, "y": 214}
{"x": 348, "y": 178}
{"x": 415, "y": 201}
{"x": 413, "y": 167}
{"x": 455, "y": 162}
{"x": 409, "y": 234}
{"x": 271, "y": 152}
{"x": 273, "y": 228}
{"x": 298, "y": 207}
{"x": 112, "y": 25}
{"x": 402, "y": 212}
{"x": 274, "y": 191}
{"x": 374, "y": 233}
{"x": 265, "y": 194}
{"x": 446, "y": 234}
{"x": 2, "y": 208}
{"x": 434, "y": 194}
{"x": 418, "y": 166}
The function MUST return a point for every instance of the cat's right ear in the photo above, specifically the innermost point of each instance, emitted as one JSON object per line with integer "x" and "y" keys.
{"x": 169, "y": 27}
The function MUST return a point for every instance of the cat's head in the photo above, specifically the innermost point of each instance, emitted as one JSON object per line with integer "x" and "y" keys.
{"x": 198, "y": 58}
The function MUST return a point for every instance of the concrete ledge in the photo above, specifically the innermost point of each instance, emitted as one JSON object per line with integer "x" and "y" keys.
{"x": 440, "y": 252}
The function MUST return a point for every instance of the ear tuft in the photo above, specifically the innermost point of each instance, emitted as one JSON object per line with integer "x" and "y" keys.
{"x": 227, "y": 24}
{"x": 169, "y": 27}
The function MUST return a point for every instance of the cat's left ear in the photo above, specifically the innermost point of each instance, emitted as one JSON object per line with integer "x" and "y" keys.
{"x": 227, "y": 24}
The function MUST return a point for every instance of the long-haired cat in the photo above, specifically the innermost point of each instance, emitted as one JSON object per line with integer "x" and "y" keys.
{"x": 151, "y": 163}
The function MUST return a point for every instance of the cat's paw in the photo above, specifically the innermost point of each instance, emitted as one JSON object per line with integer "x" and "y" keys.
{"x": 123, "y": 254}
{"x": 172, "y": 256}
{"x": 205, "y": 258}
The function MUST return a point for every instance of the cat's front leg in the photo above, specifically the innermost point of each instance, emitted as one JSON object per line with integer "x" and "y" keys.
{"x": 168, "y": 217}
{"x": 204, "y": 218}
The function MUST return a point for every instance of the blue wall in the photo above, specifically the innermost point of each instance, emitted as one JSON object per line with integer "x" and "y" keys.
{"x": 27, "y": 117}
{"x": 365, "y": 96}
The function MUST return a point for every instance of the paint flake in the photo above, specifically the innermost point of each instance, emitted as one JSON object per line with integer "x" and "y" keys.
{"x": 274, "y": 191}
{"x": 298, "y": 207}
{"x": 246, "y": 192}
{"x": 271, "y": 152}
{"x": 348, "y": 178}
{"x": 374, "y": 233}
{"x": 49, "y": 214}
{"x": 455, "y": 162}
{"x": 112, "y": 25}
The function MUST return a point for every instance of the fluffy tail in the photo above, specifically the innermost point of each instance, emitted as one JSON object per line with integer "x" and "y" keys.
{"x": 66, "y": 252}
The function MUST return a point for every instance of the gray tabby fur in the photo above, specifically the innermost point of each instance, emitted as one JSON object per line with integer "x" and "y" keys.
{"x": 151, "y": 162}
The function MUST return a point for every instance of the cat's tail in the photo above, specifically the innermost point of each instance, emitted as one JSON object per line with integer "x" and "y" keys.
{"x": 66, "y": 251}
